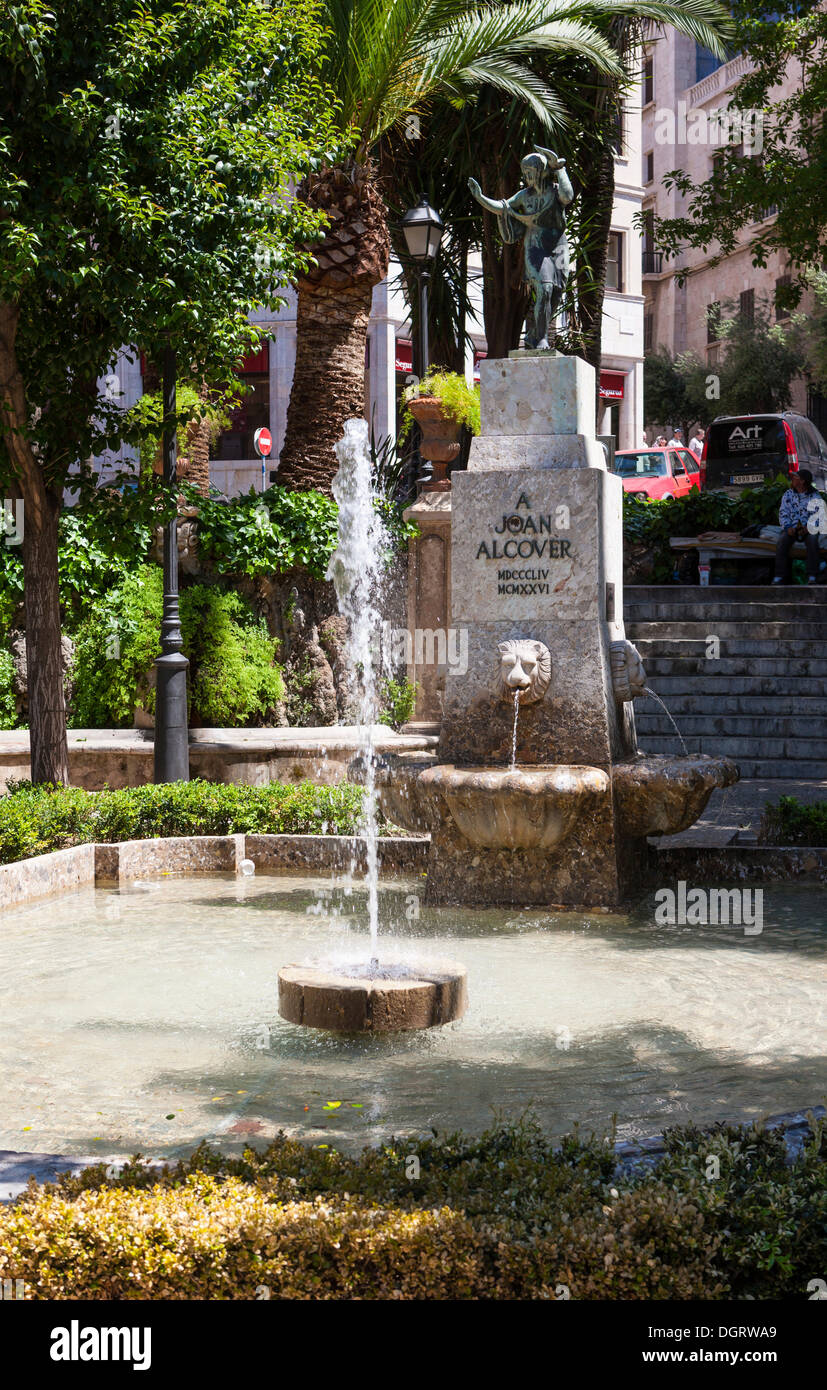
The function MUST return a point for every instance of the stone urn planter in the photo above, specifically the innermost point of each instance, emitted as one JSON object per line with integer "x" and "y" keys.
{"x": 441, "y": 434}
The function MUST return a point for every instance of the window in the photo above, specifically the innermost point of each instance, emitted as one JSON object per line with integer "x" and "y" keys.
{"x": 252, "y": 412}
{"x": 648, "y": 332}
{"x": 614, "y": 264}
{"x": 783, "y": 285}
{"x": 705, "y": 62}
{"x": 817, "y": 409}
{"x": 649, "y": 167}
{"x": 689, "y": 461}
{"x": 641, "y": 465}
{"x": 619, "y": 133}
{"x": 746, "y": 307}
{"x": 678, "y": 470}
{"x": 713, "y": 322}
{"x": 652, "y": 260}
{"x": 648, "y": 79}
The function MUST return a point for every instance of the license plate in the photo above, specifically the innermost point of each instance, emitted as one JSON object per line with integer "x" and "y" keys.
{"x": 748, "y": 478}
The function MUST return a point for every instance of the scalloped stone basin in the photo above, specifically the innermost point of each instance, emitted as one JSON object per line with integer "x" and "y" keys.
{"x": 664, "y": 795}
{"x": 514, "y": 807}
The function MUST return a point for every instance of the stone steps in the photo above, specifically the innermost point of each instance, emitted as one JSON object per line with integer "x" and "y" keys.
{"x": 707, "y": 597}
{"x": 769, "y": 705}
{"x": 760, "y": 727}
{"x": 740, "y": 670}
{"x": 679, "y": 630}
{"x": 636, "y": 612}
{"x": 743, "y": 645}
{"x": 763, "y": 701}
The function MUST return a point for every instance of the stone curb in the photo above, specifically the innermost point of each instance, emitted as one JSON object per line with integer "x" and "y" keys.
{"x": 17, "y": 1167}
{"x": 87, "y": 865}
{"x": 647, "y": 1153}
{"x": 750, "y": 863}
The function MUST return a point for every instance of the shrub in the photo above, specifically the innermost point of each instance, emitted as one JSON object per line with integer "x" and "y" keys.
{"x": 499, "y": 1215}
{"x": 653, "y": 522}
{"x": 233, "y": 657}
{"x": 789, "y": 821}
{"x": 35, "y": 820}
{"x": 115, "y": 646}
{"x": 398, "y": 701}
{"x": 233, "y": 677}
{"x": 458, "y": 399}
{"x": 8, "y": 708}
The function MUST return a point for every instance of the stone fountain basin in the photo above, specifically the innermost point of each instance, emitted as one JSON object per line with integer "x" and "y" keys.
{"x": 514, "y": 807}
{"x": 665, "y": 795}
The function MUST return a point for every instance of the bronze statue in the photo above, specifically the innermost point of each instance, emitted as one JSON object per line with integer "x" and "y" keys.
{"x": 537, "y": 213}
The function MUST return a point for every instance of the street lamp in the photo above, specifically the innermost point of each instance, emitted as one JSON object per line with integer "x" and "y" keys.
{"x": 172, "y": 753}
{"x": 422, "y": 229}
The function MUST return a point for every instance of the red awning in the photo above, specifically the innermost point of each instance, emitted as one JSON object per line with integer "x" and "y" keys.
{"x": 611, "y": 386}
{"x": 257, "y": 361}
{"x": 404, "y": 355}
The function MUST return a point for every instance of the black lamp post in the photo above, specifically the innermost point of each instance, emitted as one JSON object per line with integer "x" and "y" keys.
{"x": 422, "y": 229}
{"x": 172, "y": 753}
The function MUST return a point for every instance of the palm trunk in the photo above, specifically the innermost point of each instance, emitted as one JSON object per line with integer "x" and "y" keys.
{"x": 506, "y": 297}
{"x": 332, "y": 322}
{"x": 328, "y": 381}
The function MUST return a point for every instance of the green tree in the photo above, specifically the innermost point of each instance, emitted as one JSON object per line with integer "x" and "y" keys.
{"x": 781, "y": 161}
{"x": 679, "y": 390}
{"x": 145, "y": 152}
{"x": 761, "y": 359}
{"x": 386, "y": 59}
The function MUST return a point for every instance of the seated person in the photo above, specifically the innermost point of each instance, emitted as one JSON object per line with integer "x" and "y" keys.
{"x": 802, "y": 517}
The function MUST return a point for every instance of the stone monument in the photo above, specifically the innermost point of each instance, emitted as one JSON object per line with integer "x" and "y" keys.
{"x": 537, "y": 793}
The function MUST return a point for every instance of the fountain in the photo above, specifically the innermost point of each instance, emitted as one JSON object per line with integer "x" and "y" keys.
{"x": 373, "y": 995}
{"x": 537, "y": 793}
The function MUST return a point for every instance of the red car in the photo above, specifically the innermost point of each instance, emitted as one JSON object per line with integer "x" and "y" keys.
{"x": 659, "y": 473}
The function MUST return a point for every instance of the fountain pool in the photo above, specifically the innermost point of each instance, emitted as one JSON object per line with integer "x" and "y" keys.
{"x": 147, "y": 1019}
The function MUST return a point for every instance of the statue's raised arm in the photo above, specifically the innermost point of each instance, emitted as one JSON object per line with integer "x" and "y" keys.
{"x": 495, "y": 205}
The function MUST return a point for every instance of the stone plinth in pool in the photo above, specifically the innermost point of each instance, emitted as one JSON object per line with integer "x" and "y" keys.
{"x": 381, "y": 999}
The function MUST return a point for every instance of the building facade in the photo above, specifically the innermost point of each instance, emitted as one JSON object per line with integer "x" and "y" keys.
{"x": 684, "y": 89}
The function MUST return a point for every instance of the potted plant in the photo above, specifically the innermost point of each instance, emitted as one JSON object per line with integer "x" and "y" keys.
{"x": 442, "y": 404}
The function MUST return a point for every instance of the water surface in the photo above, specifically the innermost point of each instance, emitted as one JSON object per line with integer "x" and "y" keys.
{"x": 145, "y": 1020}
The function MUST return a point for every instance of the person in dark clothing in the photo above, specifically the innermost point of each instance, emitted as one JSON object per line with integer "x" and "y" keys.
{"x": 802, "y": 517}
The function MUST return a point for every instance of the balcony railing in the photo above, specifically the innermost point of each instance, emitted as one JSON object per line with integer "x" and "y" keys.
{"x": 652, "y": 262}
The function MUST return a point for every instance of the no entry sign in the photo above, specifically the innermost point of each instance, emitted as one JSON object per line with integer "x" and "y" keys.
{"x": 262, "y": 443}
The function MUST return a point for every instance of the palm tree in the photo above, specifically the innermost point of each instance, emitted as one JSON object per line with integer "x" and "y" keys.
{"x": 385, "y": 59}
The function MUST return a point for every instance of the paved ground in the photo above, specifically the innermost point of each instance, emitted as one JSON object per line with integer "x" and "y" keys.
{"x": 734, "y": 814}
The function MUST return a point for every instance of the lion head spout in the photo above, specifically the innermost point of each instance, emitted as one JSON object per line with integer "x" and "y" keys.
{"x": 525, "y": 665}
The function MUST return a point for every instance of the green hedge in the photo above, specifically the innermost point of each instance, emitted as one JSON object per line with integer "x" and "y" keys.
{"x": 789, "y": 821}
{"x": 35, "y": 820}
{"x": 233, "y": 678}
{"x": 502, "y": 1215}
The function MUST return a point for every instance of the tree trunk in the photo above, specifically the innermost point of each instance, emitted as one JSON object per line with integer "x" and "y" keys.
{"x": 41, "y": 512}
{"x": 506, "y": 296}
{"x": 332, "y": 322}
{"x": 328, "y": 381}
{"x": 47, "y": 709}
